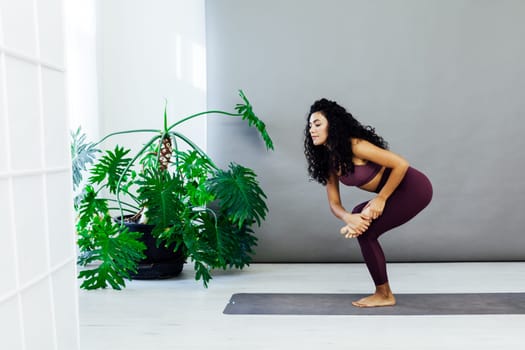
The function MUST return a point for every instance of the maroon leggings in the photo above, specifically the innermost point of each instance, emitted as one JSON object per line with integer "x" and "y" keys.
{"x": 411, "y": 196}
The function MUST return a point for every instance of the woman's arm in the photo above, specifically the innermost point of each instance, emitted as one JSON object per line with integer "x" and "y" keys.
{"x": 399, "y": 165}
{"x": 357, "y": 222}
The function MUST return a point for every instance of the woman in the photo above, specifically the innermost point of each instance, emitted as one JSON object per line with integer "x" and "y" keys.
{"x": 340, "y": 149}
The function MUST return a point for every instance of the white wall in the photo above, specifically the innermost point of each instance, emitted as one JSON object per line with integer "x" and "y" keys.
{"x": 81, "y": 56}
{"x": 38, "y": 297}
{"x": 150, "y": 52}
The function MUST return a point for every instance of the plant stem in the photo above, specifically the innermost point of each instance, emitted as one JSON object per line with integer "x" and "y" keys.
{"x": 166, "y": 117}
{"x": 125, "y": 132}
{"x": 195, "y": 147}
{"x": 202, "y": 113}
{"x": 126, "y": 170}
{"x": 114, "y": 200}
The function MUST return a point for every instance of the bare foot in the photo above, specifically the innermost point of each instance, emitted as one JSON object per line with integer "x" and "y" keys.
{"x": 376, "y": 300}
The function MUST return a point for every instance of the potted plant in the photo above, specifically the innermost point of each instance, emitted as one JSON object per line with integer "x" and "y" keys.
{"x": 192, "y": 207}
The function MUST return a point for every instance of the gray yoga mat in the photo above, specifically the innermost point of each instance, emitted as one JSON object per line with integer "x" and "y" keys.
{"x": 407, "y": 304}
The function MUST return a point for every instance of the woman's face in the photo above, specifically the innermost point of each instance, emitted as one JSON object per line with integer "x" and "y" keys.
{"x": 318, "y": 128}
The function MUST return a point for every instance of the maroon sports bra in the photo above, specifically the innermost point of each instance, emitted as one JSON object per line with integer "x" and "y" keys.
{"x": 362, "y": 174}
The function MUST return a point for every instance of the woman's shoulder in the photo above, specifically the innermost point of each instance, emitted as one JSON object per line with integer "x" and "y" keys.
{"x": 363, "y": 149}
{"x": 354, "y": 141}
{"x": 358, "y": 143}
{"x": 361, "y": 143}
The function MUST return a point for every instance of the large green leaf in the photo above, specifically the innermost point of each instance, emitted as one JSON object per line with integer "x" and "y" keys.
{"x": 236, "y": 245}
{"x": 247, "y": 114}
{"x": 90, "y": 206}
{"x": 217, "y": 243}
{"x": 239, "y": 195}
{"x": 113, "y": 250}
{"x": 110, "y": 168}
{"x": 199, "y": 237}
{"x": 162, "y": 193}
{"x": 195, "y": 170}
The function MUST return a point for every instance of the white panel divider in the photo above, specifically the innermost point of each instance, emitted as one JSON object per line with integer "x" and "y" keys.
{"x": 39, "y": 287}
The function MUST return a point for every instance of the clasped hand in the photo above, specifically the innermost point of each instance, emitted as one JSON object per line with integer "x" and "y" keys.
{"x": 375, "y": 207}
{"x": 357, "y": 224}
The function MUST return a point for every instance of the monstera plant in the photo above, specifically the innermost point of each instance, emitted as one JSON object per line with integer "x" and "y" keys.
{"x": 194, "y": 207}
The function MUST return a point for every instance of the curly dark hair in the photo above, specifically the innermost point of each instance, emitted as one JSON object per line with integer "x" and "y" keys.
{"x": 336, "y": 154}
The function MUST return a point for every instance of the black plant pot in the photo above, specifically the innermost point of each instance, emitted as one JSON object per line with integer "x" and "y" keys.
{"x": 160, "y": 262}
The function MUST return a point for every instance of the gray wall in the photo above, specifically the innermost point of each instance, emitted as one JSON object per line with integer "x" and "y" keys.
{"x": 442, "y": 81}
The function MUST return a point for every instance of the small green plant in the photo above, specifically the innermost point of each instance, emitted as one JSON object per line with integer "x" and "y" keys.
{"x": 194, "y": 205}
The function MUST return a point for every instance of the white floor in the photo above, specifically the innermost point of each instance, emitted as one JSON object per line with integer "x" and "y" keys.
{"x": 181, "y": 314}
